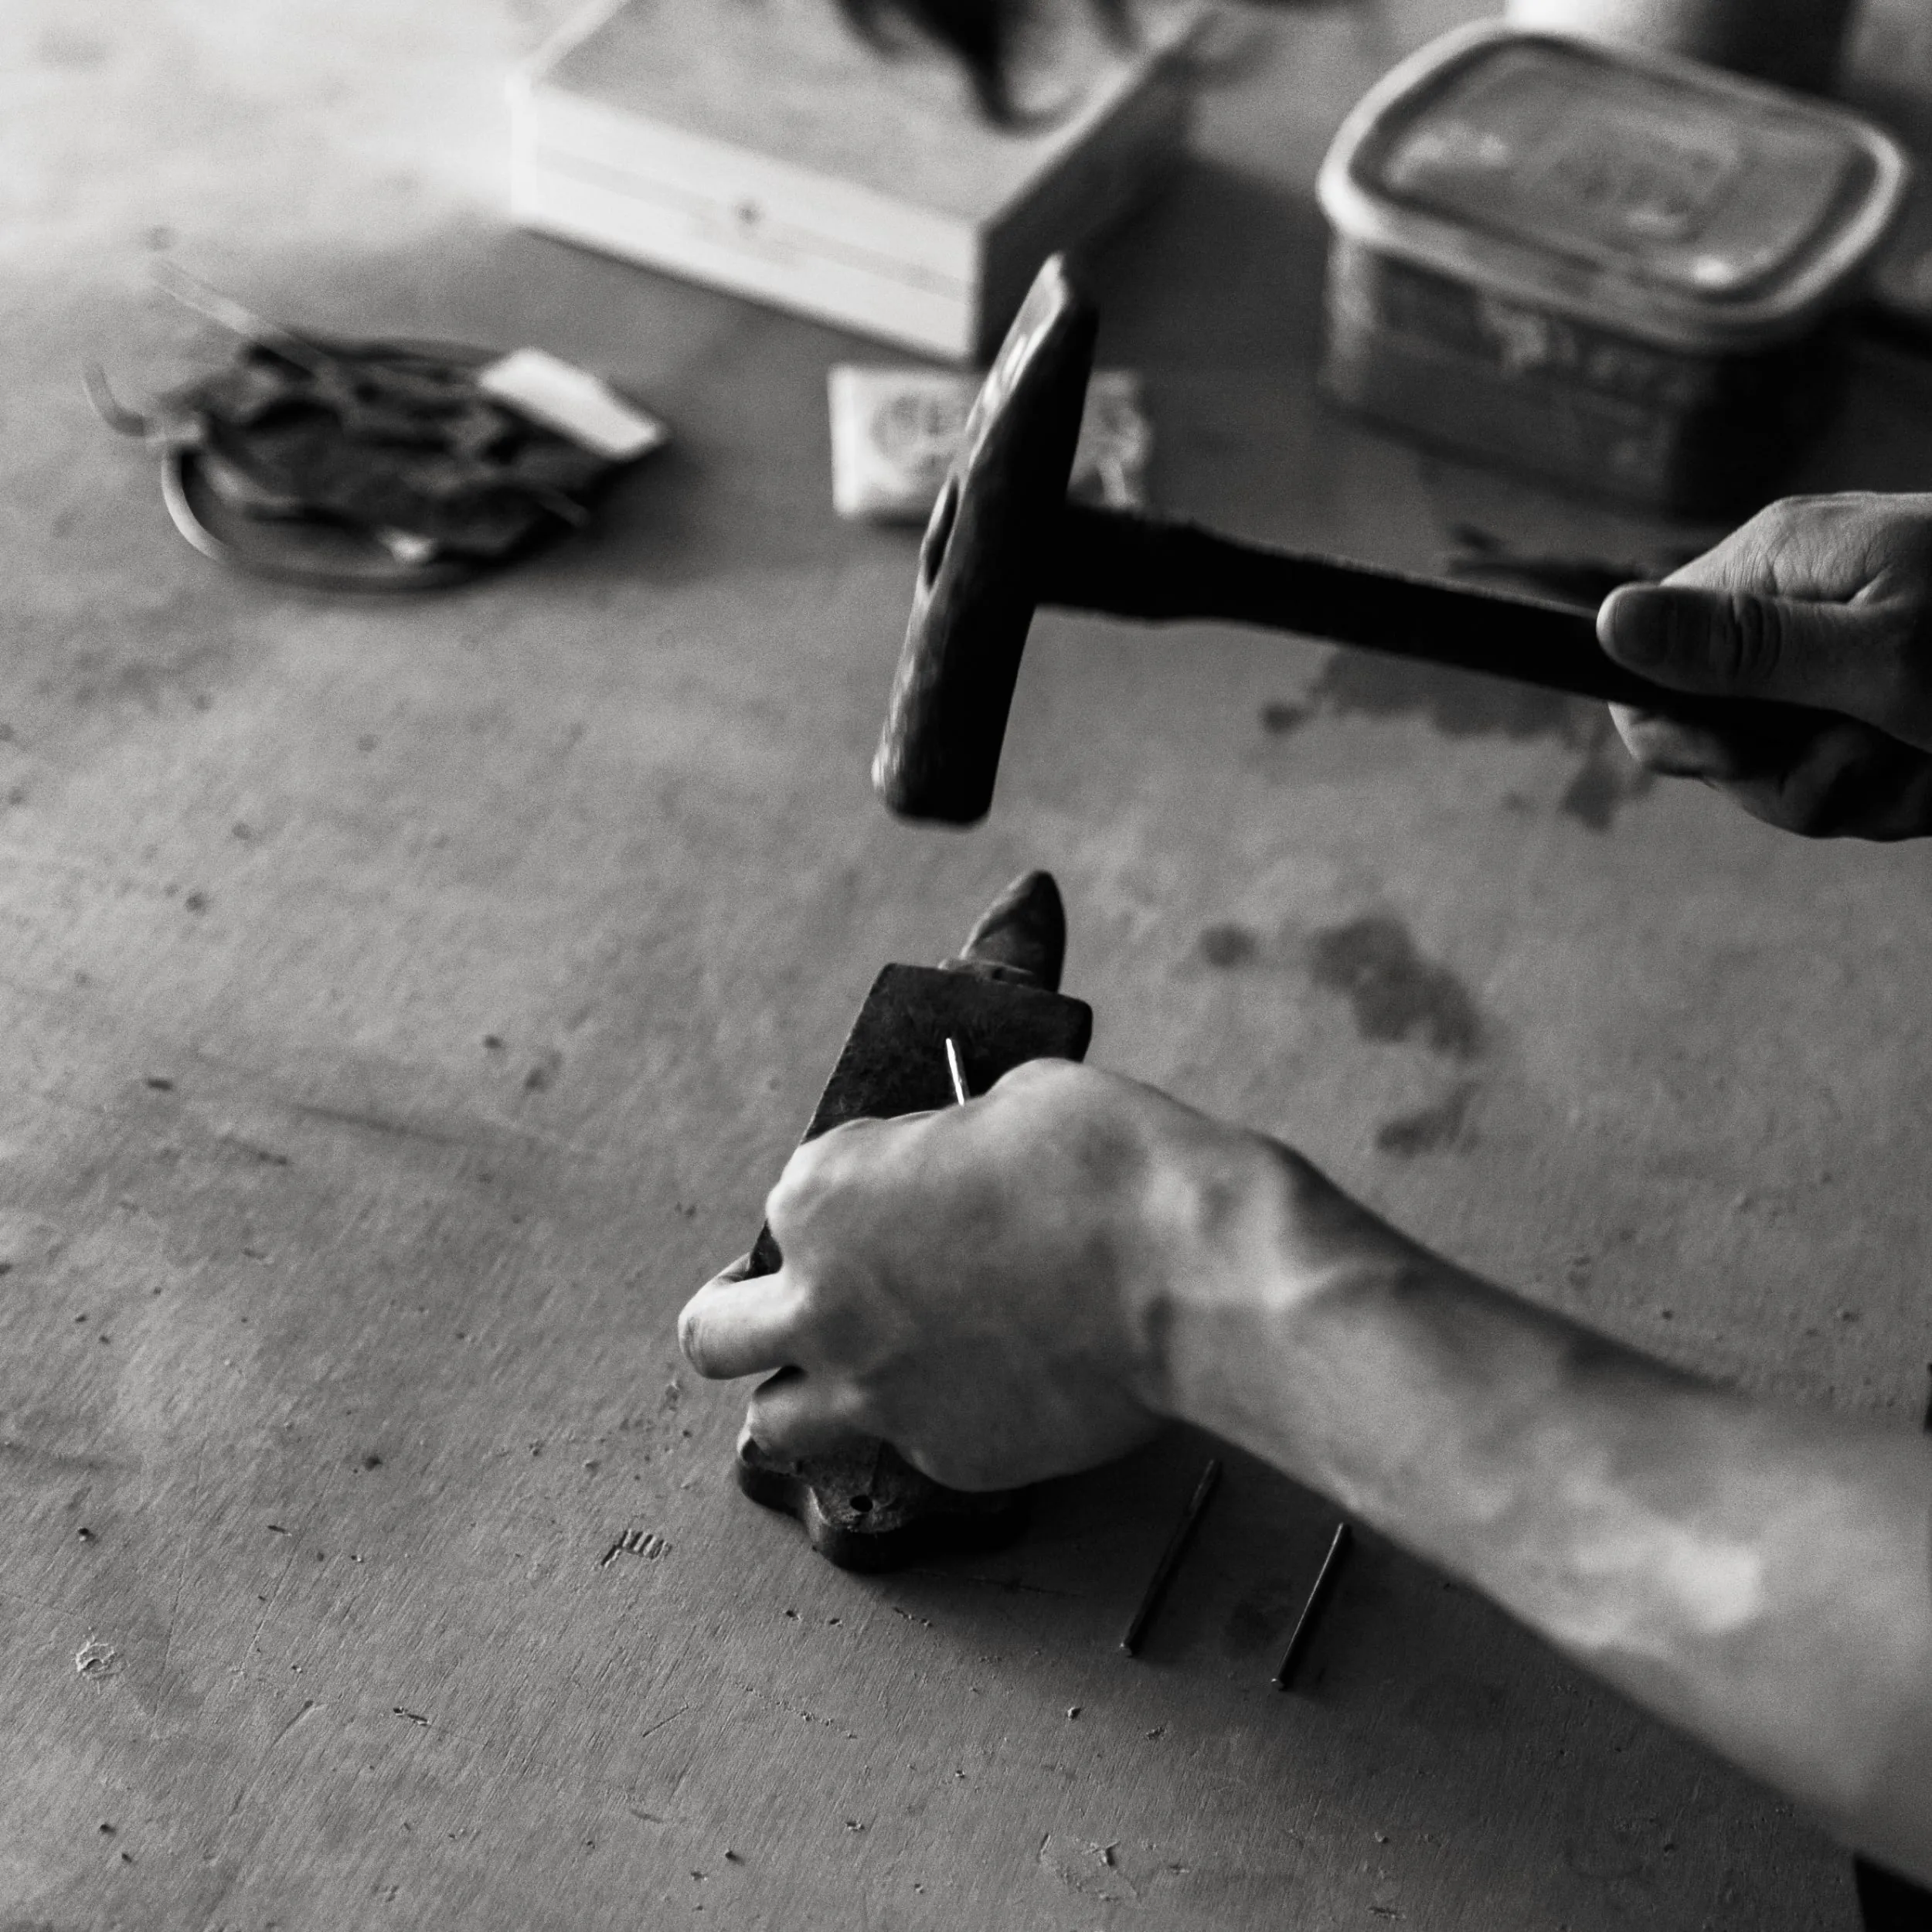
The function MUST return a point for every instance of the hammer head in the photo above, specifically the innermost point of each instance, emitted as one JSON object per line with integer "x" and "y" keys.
{"x": 981, "y": 564}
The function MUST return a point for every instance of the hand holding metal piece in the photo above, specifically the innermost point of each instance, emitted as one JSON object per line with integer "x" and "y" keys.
{"x": 1004, "y": 539}
{"x": 993, "y": 1006}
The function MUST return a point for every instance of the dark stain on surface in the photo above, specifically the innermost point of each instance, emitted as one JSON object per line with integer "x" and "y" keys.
{"x": 267, "y": 1156}
{"x": 374, "y": 1122}
{"x": 1260, "y": 1619}
{"x": 1456, "y": 703}
{"x": 1456, "y": 1707}
{"x": 1229, "y": 945}
{"x": 78, "y": 53}
{"x": 1395, "y": 993}
{"x": 1606, "y": 781}
{"x": 1429, "y": 1129}
{"x": 1460, "y": 705}
{"x": 159, "y": 652}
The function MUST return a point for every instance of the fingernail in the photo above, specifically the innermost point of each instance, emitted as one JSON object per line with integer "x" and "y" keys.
{"x": 1638, "y": 627}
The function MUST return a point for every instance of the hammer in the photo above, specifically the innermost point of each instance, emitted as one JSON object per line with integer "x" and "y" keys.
{"x": 1003, "y": 539}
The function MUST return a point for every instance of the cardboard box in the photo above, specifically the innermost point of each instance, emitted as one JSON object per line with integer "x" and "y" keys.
{"x": 765, "y": 147}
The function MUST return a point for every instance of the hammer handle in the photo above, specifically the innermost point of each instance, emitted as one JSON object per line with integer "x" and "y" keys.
{"x": 1163, "y": 573}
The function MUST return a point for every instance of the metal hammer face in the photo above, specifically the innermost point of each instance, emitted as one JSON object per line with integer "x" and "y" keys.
{"x": 982, "y": 565}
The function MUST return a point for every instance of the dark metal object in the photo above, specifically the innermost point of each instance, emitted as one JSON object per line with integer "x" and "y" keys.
{"x": 303, "y": 551}
{"x": 394, "y": 511}
{"x": 867, "y": 1508}
{"x": 353, "y": 465}
{"x": 1305, "y": 1625}
{"x": 1003, "y": 539}
{"x": 983, "y": 563}
{"x": 1177, "y": 1544}
{"x": 1890, "y": 1903}
{"x": 995, "y": 1006}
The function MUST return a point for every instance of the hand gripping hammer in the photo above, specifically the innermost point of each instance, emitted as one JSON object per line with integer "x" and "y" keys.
{"x": 1003, "y": 539}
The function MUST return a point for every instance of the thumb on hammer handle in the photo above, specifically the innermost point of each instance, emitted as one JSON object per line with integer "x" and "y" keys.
{"x": 1162, "y": 572}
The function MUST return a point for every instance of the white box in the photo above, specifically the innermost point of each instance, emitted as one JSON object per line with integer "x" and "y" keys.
{"x": 764, "y": 147}
{"x": 894, "y": 433}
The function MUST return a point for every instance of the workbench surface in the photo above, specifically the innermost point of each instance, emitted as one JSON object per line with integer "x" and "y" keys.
{"x": 406, "y": 1004}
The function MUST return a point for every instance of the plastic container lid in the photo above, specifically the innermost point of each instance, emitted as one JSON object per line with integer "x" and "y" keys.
{"x": 1656, "y": 196}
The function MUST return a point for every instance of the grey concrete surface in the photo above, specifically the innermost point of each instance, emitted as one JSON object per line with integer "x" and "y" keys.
{"x": 346, "y": 1335}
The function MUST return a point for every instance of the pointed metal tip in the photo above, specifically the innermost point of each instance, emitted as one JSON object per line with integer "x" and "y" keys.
{"x": 1024, "y": 930}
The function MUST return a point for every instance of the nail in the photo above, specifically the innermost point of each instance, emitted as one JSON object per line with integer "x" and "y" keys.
{"x": 1304, "y": 1625}
{"x": 1170, "y": 1557}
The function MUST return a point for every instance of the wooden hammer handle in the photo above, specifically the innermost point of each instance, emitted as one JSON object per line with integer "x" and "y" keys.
{"x": 1163, "y": 573}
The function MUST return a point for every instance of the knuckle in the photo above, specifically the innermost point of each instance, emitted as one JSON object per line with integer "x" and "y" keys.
{"x": 1031, "y": 1075}
{"x": 690, "y": 1336}
{"x": 1750, "y": 642}
{"x": 1775, "y": 527}
{"x": 806, "y": 1301}
{"x": 806, "y": 1177}
{"x": 827, "y": 1172}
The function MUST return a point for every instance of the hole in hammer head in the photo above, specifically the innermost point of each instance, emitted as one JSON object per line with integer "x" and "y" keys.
{"x": 860, "y": 1505}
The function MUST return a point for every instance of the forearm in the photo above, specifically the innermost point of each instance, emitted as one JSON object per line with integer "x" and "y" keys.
{"x": 1760, "y": 1578}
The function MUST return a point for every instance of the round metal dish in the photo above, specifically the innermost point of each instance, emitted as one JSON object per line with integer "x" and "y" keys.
{"x": 313, "y": 552}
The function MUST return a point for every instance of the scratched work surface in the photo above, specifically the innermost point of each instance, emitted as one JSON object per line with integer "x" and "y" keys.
{"x": 406, "y": 1004}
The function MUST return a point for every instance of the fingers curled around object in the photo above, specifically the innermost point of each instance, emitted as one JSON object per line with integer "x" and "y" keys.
{"x": 1838, "y": 657}
{"x": 1675, "y": 750}
{"x": 831, "y": 1159}
{"x": 1853, "y": 782}
{"x": 734, "y": 1326}
{"x": 1701, "y": 639}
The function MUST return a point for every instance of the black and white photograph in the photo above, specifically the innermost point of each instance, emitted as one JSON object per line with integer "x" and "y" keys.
{"x": 966, "y": 965}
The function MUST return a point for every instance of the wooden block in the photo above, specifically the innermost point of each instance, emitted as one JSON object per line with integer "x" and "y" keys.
{"x": 765, "y": 147}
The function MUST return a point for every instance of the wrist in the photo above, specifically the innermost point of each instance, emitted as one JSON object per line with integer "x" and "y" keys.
{"x": 1255, "y": 1252}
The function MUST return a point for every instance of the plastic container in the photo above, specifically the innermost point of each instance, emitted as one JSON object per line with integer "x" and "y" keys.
{"x": 1798, "y": 43}
{"x": 1616, "y": 271}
